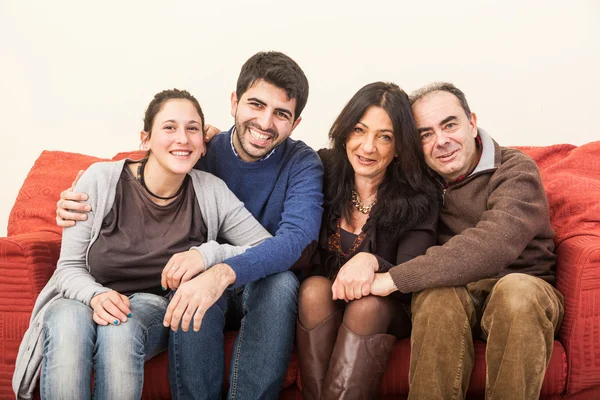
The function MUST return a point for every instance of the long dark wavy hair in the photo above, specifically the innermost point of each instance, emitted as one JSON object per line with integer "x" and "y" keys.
{"x": 408, "y": 193}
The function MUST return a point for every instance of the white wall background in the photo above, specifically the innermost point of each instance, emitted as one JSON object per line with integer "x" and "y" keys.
{"x": 77, "y": 75}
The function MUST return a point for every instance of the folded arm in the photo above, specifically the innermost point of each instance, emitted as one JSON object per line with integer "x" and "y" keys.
{"x": 299, "y": 226}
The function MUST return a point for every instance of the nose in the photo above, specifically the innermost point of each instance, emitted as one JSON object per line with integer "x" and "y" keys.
{"x": 181, "y": 135}
{"x": 265, "y": 119}
{"x": 368, "y": 144}
{"x": 441, "y": 139}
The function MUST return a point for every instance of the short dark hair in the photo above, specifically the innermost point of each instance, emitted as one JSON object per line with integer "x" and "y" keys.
{"x": 408, "y": 193}
{"x": 279, "y": 70}
{"x": 159, "y": 101}
{"x": 443, "y": 87}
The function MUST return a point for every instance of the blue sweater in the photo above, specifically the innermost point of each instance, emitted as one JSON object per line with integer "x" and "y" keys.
{"x": 283, "y": 192}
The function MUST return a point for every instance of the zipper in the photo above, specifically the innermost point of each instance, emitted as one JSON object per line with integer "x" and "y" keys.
{"x": 444, "y": 197}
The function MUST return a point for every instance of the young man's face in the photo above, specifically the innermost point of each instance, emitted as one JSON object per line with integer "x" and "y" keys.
{"x": 264, "y": 118}
{"x": 447, "y": 134}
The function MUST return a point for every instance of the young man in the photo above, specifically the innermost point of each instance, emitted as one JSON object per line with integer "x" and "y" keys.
{"x": 280, "y": 182}
{"x": 491, "y": 274}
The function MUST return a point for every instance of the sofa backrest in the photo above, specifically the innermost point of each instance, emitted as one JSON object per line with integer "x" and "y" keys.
{"x": 35, "y": 207}
{"x": 571, "y": 176}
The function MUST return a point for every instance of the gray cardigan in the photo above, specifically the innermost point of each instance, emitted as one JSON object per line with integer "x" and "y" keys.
{"x": 224, "y": 215}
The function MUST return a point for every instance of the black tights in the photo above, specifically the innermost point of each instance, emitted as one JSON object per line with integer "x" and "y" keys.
{"x": 366, "y": 316}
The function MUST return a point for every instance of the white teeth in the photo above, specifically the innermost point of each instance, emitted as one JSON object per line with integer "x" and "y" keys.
{"x": 364, "y": 159}
{"x": 447, "y": 155}
{"x": 181, "y": 153}
{"x": 258, "y": 136}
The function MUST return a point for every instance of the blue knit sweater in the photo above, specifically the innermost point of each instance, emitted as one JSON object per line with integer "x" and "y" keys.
{"x": 283, "y": 192}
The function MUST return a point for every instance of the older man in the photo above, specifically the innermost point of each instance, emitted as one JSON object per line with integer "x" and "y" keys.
{"x": 492, "y": 274}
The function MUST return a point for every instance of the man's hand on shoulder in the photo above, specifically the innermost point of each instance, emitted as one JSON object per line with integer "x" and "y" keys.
{"x": 196, "y": 296}
{"x": 209, "y": 133}
{"x": 71, "y": 207}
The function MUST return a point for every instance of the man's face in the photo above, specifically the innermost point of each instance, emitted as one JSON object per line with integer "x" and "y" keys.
{"x": 264, "y": 118}
{"x": 447, "y": 134}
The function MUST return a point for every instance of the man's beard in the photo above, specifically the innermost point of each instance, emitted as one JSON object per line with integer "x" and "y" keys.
{"x": 248, "y": 148}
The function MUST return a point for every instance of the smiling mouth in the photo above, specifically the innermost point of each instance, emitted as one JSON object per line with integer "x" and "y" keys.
{"x": 365, "y": 160}
{"x": 180, "y": 153}
{"x": 446, "y": 156}
{"x": 259, "y": 136}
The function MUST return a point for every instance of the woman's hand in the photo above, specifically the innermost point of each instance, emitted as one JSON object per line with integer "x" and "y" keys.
{"x": 181, "y": 268}
{"x": 354, "y": 279}
{"x": 110, "y": 308}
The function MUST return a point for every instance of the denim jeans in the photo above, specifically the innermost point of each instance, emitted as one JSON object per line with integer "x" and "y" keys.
{"x": 518, "y": 315}
{"x": 74, "y": 345}
{"x": 267, "y": 309}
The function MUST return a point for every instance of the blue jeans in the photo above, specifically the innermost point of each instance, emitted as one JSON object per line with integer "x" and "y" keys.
{"x": 262, "y": 349}
{"x": 74, "y": 345}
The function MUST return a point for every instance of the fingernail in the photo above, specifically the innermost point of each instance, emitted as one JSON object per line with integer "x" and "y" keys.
{"x": 116, "y": 322}
{"x": 88, "y": 208}
{"x": 163, "y": 288}
{"x": 129, "y": 315}
{"x": 165, "y": 324}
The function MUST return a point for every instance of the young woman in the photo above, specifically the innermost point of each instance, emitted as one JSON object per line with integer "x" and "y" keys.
{"x": 153, "y": 226}
{"x": 379, "y": 199}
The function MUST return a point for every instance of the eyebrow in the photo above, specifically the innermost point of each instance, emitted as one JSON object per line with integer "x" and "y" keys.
{"x": 448, "y": 119}
{"x": 380, "y": 130}
{"x": 191, "y": 121}
{"x": 442, "y": 122}
{"x": 283, "y": 110}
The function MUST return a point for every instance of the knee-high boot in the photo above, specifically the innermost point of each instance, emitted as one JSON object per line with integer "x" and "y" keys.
{"x": 357, "y": 365}
{"x": 314, "y": 348}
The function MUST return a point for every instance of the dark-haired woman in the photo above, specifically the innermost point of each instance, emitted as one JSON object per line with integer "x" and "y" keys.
{"x": 379, "y": 199}
{"x": 153, "y": 227}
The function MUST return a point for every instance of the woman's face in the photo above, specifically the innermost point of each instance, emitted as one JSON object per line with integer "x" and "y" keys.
{"x": 177, "y": 141}
{"x": 370, "y": 147}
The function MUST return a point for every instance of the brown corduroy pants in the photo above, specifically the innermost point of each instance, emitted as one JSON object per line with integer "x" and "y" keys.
{"x": 518, "y": 315}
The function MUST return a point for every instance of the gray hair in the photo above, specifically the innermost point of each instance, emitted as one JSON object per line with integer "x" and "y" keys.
{"x": 444, "y": 87}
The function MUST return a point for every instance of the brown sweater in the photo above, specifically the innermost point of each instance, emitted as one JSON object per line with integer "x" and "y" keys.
{"x": 493, "y": 223}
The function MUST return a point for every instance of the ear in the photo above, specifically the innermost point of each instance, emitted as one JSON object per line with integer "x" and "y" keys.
{"x": 234, "y": 104}
{"x": 473, "y": 124}
{"x": 295, "y": 124}
{"x": 144, "y": 138}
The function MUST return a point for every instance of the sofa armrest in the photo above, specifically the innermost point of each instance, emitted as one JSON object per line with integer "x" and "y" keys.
{"x": 27, "y": 262}
{"x": 578, "y": 279}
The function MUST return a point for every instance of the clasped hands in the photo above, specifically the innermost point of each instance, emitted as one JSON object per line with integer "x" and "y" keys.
{"x": 358, "y": 278}
{"x": 194, "y": 295}
{"x": 197, "y": 288}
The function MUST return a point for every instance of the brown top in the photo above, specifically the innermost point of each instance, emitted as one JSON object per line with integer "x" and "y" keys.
{"x": 138, "y": 237}
{"x": 493, "y": 223}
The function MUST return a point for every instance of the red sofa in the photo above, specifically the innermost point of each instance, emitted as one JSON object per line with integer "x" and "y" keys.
{"x": 571, "y": 176}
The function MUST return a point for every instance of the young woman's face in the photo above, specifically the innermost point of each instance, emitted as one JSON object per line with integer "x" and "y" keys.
{"x": 176, "y": 140}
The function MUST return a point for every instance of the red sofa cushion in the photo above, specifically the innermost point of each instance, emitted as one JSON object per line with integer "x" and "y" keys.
{"x": 52, "y": 172}
{"x": 35, "y": 207}
{"x": 571, "y": 177}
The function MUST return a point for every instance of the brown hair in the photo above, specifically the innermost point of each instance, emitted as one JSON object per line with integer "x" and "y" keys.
{"x": 159, "y": 101}
{"x": 279, "y": 70}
